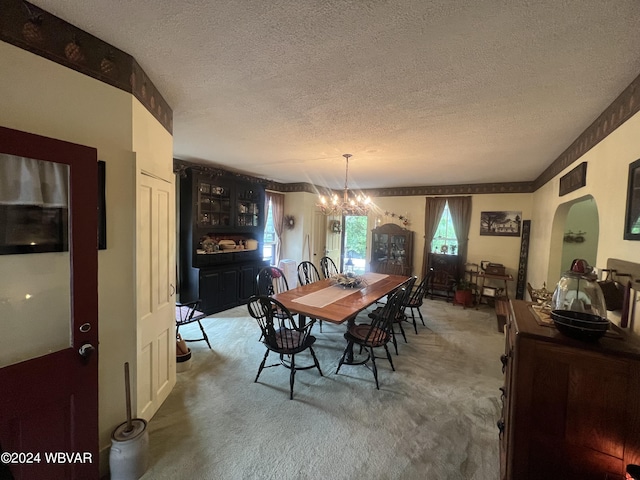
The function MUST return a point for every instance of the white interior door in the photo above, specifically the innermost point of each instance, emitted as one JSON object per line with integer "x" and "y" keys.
{"x": 156, "y": 358}
{"x": 333, "y": 240}
{"x": 319, "y": 246}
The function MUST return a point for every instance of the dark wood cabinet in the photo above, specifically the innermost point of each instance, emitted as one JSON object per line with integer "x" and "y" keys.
{"x": 215, "y": 208}
{"x": 571, "y": 409}
{"x": 392, "y": 249}
{"x": 443, "y": 275}
{"x": 213, "y": 201}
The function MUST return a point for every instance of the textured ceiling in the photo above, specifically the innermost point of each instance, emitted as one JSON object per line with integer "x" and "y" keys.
{"x": 421, "y": 92}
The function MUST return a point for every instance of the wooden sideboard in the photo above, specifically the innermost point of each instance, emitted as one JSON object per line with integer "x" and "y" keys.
{"x": 571, "y": 409}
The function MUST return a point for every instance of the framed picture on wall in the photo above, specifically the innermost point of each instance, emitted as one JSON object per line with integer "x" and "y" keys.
{"x": 632, "y": 217}
{"x": 501, "y": 223}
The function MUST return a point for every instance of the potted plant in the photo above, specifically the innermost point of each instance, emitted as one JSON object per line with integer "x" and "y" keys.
{"x": 463, "y": 293}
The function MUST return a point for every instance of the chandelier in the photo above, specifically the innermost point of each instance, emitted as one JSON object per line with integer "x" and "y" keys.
{"x": 348, "y": 205}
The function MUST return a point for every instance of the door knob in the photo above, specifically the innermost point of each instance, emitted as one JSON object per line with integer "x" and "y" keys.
{"x": 86, "y": 350}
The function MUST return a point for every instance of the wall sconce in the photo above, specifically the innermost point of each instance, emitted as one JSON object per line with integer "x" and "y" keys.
{"x": 633, "y": 472}
{"x": 336, "y": 226}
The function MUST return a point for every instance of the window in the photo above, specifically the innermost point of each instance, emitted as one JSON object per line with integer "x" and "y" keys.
{"x": 445, "y": 240}
{"x": 269, "y": 245}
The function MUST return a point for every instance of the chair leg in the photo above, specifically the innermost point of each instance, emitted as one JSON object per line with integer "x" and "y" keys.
{"x": 292, "y": 376}
{"x": 393, "y": 338}
{"x": 415, "y": 325}
{"x": 422, "y": 319}
{"x": 266, "y": 354}
{"x": 389, "y": 357}
{"x": 402, "y": 331}
{"x": 204, "y": 335}
{"x": 344, "y": 354}
{"x": 315, "y": 360}
{"x": 374, "y": 368}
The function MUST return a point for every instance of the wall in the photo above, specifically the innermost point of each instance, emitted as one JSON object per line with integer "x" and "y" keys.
{"x": 505, "y": 250}
{"x": 607, "y": 171}
{"x": 497, "y": 249}
{"x": 582, "y": 217}
{"x": 295, "y": 241}
{"x": 42, "y": 97}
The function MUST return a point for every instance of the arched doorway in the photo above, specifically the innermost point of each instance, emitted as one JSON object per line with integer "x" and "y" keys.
{"x": 575, "y": 233}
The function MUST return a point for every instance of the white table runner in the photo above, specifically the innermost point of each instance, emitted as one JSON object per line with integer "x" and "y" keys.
{"x": 328, "y": 295}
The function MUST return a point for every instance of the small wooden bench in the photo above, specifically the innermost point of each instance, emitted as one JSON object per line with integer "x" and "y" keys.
{"x": 502, "y": 312}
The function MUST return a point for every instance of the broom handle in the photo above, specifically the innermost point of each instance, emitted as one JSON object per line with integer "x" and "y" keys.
{"x": 128, "y": 395}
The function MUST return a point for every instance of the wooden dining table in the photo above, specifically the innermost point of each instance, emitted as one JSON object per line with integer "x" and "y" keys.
{"x": 327, "y": 301}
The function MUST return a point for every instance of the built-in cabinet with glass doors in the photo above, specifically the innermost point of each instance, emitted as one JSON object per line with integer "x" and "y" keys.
{"x": 221, "y": 237}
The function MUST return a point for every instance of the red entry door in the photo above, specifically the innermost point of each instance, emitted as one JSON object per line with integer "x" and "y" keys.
{"x": 48, "y": 308}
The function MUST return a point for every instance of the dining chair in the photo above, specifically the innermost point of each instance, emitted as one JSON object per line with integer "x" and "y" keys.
{"x": 390, "y": 267}
{"x": 187, "y": 312}
{"x": 440, "y": 283}
{"x": 373, "y": 335}
{"x": 400, "y": 316}
{"x": 328, "y": 267}
{"x": 282, "y": 335}
{"x": 308, "y": 273}
{"x": 415, "y": 302}
{"x": 271, "y": 280}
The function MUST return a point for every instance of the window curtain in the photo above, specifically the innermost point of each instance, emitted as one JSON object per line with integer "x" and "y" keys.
{"x": 277, "y": 210}
{"x": 460, "y": 209}
{"x": 432, "y": 213}
{"x": 25, "y": 181}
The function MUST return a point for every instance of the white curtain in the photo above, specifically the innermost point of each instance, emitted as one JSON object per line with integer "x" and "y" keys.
{"x": 25, "y": 181}
{"x": 277, "y": 210}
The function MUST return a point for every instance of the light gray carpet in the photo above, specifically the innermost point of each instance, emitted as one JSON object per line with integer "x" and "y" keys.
{"x": 433, "y": 418}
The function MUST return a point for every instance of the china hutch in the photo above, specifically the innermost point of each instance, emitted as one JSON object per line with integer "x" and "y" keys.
{"x": 221, "y": 233}
{"x": 392, "y": 246}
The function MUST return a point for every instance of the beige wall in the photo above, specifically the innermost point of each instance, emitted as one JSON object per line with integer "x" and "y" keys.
{"x": 505, "y": 250}
{"x": 295, "y": 241}
{"x": 607, "y": 172}
{"x": 42, "y": 97}
{"x": 582, "y": 217}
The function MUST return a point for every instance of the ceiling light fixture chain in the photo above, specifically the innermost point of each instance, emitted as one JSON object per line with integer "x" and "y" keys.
{"x": 357, "y": 205}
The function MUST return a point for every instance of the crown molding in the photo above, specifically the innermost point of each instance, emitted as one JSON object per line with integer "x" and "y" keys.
{"x": 621, "y": 109}
{"x": 180, "y": 167}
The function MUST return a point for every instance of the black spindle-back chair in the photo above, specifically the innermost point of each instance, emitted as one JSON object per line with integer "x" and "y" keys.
{"x": 376, "y": 334}
{"x": 282, "y": 334}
